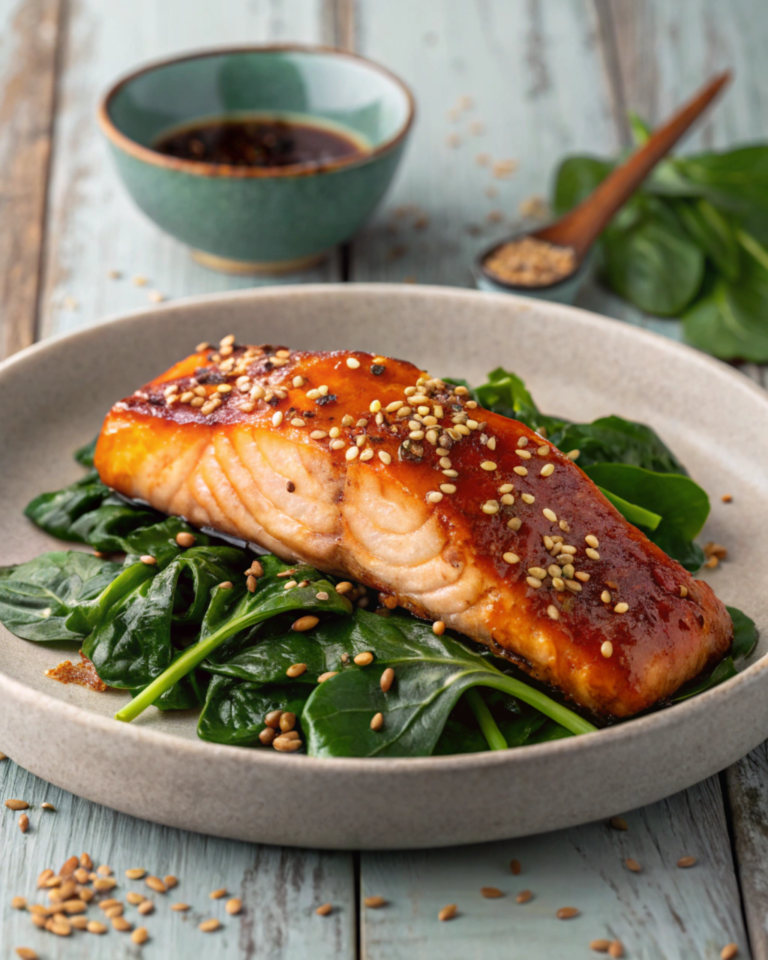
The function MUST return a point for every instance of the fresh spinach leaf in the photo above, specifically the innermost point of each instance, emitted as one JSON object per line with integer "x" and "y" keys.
{"x": 744, "y": 634}
{"x": 576, "y": 178}
{"x": 234, "y": 711}
{"x": 37, "y": 598}
{"x": 84, "y": 455}
{"x": 636, "y": 515}
{"x": 713, "y": 232}
{"x": 744, "y": 641}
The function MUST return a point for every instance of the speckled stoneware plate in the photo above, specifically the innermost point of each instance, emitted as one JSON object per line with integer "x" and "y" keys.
{"x": 52, "y": 398}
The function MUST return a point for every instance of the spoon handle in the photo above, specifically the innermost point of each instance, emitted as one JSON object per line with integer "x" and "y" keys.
{"x": 582, "y": 226}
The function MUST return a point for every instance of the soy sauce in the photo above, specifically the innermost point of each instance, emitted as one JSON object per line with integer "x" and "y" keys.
{"x": 259, "y": 142}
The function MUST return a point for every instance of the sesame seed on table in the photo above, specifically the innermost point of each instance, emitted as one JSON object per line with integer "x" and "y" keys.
{"x": 480, "y": 156}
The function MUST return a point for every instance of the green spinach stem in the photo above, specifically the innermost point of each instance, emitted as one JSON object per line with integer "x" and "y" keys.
{"x": 484, "y": 717}
{"x": 540, "y": 701}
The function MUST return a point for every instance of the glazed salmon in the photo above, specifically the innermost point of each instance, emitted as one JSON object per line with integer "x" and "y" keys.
{"x": 368, "y": 468}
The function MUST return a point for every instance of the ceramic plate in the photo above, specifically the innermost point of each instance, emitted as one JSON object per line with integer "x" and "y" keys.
{"x": 53, "y": 397}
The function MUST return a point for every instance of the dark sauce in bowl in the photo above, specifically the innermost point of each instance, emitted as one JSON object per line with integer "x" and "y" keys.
{"x": 260, "y": 142}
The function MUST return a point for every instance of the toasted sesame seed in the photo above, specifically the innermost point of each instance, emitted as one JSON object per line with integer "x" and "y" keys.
{"x": 296, "y": 670}
{"x": 385, "y": 457}
{"x": 507, "y": 499}
{"x": 567, "y": 913}
{"x": 327, "y": 676}
{"x": 573, "y": 585}
{"x": 140, "y": 935}
{"x": 558, "y": 583}
{"x": 448, "y": 488}
{"x": 352, "y": 453}
{"x": 344, "y": 587}
{"x": 17, "y": 804}
{"x": 438, "y": 628}
{"x": 490, "y": 507}
{"x": 727, "y": 498}
{"x": 528, "y": 498}
{"x": 218, "y": 894}
{"x": 591, "y": 540}
{"x": 434, "y": 496}
{"x": 233, "y": 906}
{"x": 515, "y": 523}
{"x": 387, "y": 679}
{"x": 520, "y": 471}
{"x": 324, "y": 910}
{"x": 363, "y": 659}
{"x": 488, "y": 465}
{"x": 685, "y": 862}
{"x": 511, "y": 558}
{"x": 447, "y": 913}
{"x": 537, "y": 572}
{"x": 618, "y": 823}
{"x": 374, "y": 903}
{"x": 208, "y": 926}
{"x": 148, "y": 560}
{"x": 156, "y": 884}
{"x": 547, "y": 470}
{"x": 121, "y": 924}
{"x": 605, "y": 596}
{"x": 616, "y": 950}
{"x": 552, "y": 612}
{"x": 146, "y": 908}
{"x": 305, "y": 623}
{"x": 621, "y": 607}
{"x": 729, "y": 952}
{"x": 543, "y": 450}
{"x": 524, "y": 896}
{"x": 533, "y": 582}
{"x": 353, "y": 363}
{"x": 522, "y": 442}
{"x": 287, "y": 743}
{"x": 95, "y": 926}
{"x": 573, "y": 454}
{"x": 267, "y": 735}
{"x": 592, "y": 553}
{"x": 377, "y": 722}
{"x": 580, "y": 575}
{"x": 337, "y": 444}
{"x": 375, "y": 406}
{"x": 138, "y": 873}
{"x": 606, "y": 649}
{"x": 491, "y": 893}
{"x": 524, "y": 454}
{"x": 599, "y": 946}
{"x": 549, "y": 514}
{"x": 451, "y": 473}
{"x": 632, "y": 865}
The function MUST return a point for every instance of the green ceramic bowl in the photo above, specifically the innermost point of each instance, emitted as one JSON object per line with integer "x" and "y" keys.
{"x": 255, "y": 219}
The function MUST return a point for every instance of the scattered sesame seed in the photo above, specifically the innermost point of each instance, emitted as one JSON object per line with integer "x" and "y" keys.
{"x": 550, "y": 514}
{"x": 632, "y": 865}
{"x": 591, "y": 540}
{"x": 727, "y": 498}
{"x": 305, "y": 623}
{"x": 520, "y": 471}
{"x": 506, "y": 488}
{"x": 524, "y": 896}
{"x": 528, "y": 498}
{"x": 592, "y": 553}
{"x": 490, "y": 507}
{"x": 533, "y": 582}
{"x": 447, "y": 913}
{"x": 208, "y": 926}
{"x": 618, "y": 823}
{"x": 488, "y": 465}
{"x": 606, "y": 649}
{"x": 324, "y": 910}
{"x": 537, "y": 572}
{"x": 277, "y": 418}
{"x": 515, "y": 523}
{"x": 375, "y": 406}
{"x": 363, "y": 659}
{"x": 337, "y": 444}
{"x": 548, "y": 470}
{"x": 385, "y": 457}
{"x": 553, "y": 612}
{"x": 524, "y": 454}
{"x": 148, "y": 560}
{"x": 491, "y": 893}
{"x": 621, "y": 608}
{"x": 683, "y": 591}
{"x": 296, "y": 670}
{"x": 387, "y": 679}
{"x": 139, "y": 280}
{"x": 685, "y": 862}
{"x": 511, "y": 558}
{"x": 352, "y": 453}
{"x": 377, "y": 722}
{"x": 353, "y": 363}
{"x": 729, "y": 952}
{"x": 327, "y": 676}
{"x": 434, "y": 496}
{"x": 438, "y": 628}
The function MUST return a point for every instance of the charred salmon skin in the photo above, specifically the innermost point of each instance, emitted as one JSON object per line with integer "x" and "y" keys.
{"x": 368, "y": 468}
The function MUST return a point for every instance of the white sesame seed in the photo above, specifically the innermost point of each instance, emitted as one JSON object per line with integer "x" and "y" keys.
{"x": 352, "y": 453}
{"x": 621, "y": 608}
{"x": 347, "y": 421}
{"x": 338, "y": 444}
{"x": 366, "y": 454}
{"x": 507, "y": 499}
{"x": 448, "y": 488}
{"x": 584, "y": 577}
{"x": 528, "y": 498}
{"x": 353, "y": 363}
{"x": 605, "y": 596}
{"x": 537, "y": 572}
{"x": 298, "y": 382}
{"x": 385, "y": 457}
{"x": 297, "y": 422}
{"x": 334, "y": 432}
{"x": 573, "y": 585}
{"x": 606, "y": 648}
{"x": 515, "y": 523}
{"x": 434, "y": 496}
{"x": 488, "y": 465}
{"x": 524, "y": 454}
{"x": 558, "y": 583}
{"x": 490, "y": 507}
{"x": 550, "y": 514}
{"x": 323, "y": 390}
{"x": 313, "y": 394}
{"x": 533, "y": 582}
{"x": 552, "y": 612}
{"x": 375, "y": 406}
{"x": 522, "y": 442}
{"x": 520, "y": 471}
{"x": 318, "y": 435}
{"x": 591, "y": 540}
{"x": 592, "y": 554}
{"x": 548, "y": 470}
{"x": 277, "y": 418}
{"x": 360, "y": 440}
{"x": 395, "y": 405}
{"x": 416, "y": 434}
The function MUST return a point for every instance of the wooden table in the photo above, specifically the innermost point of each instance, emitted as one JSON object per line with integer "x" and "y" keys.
{"x": 544, "y": 79}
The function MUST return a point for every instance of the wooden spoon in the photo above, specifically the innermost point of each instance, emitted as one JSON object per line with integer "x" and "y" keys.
{"x": 580, "y": 227}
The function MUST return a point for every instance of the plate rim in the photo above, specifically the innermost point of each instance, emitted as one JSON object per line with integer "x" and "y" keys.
{"x": 630, "y": 730}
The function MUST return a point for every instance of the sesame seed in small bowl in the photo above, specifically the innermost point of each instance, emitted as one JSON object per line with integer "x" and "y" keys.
{"x": 261, "y": 159}
{"x": 532, "y": 267}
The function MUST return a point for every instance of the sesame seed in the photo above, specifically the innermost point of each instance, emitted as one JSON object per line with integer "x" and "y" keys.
{"x": 506, "y": 488}
{"x": 344, "y": 587}
{"x": 592, "y": 554}
{"x": 525, "y": 454}
{"x": 208, "y": 926}
{"x": 488, "y": 465}
{"x": 515, "y": 523}
{"x": 567, "y": 913}
{"x": 533, "y": 582}
{"x": 507, "y": 499}
{"x": 448, "y": 488}
{"x": 547, "y": 470}
{"x": 196, "y": 402}
{"x": 520, "y": 471}
{"x": 377, "y": 722}
{"x": 438, "y": 628}
{"x": 491, "y": 443}
{"x": 277, "y": 418}
{"x": 313, "y": 394}
{"x": 591, "y": 540}
{"x": 296, "y": 670}
{"x": 375, "y": 406}
{"x": 298, "y": 382}
{"x": 511, "y": 558}
{"x": 543, "y": 450}
{"x": 573, "y": 585}
{"x": 567, "y": 548}
{"x": 395, "y": 405}
{"x": 606, "y": 648}
{"x": 323, "y": 390}
{"x": 685, "y": 862}
{"x": 683, "y": 591}
{"x": 522, "y": 442}
{"x": 416, "y": 434}
{"x": 318, "y": 435}
{"x": 552, "y": 612}
{"x": 450, "y": 473}
{"x": 337, "y": 444}
{"x": 434, "y": 496}
{"x": 352, "y": 453}
{"x": 528, "y": 498}
{"x": 633, "y": 865}
{"x": 366, "y": 455}
{"x": 584, "y": 577}
{"x": 605, "y": 596}
{"x": 224, "y": 388}
{"x": 490, "y": 507}
{"x": 729, "y": 952}
{"x": 538, "y": 572}
{"x": 148, "y": 560}
{"x": 385, "y": 457}
{"x": 621, "y": 607}
{"x": 363, "y": 659}
{"x": 447, "y": 913}
{"x": 353, "y": 363}
{"x": 524, "y": 896}
{"x": 549, "y": 514}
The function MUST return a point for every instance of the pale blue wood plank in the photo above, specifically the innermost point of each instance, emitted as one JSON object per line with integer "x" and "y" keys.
{"x": 663, "y": 911}
{"x": 280, "y": 888}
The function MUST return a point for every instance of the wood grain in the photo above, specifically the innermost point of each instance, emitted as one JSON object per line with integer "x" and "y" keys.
{"x": 663, "y": 911}
{"x": 92, "y": 226}
{"x": 28, "y": 34}
{"x": 280, "y": 888}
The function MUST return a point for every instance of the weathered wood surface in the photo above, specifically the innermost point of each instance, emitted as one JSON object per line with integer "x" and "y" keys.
{"x": 28, "y": 32}
{"x": 663, "y": 911}
{"x": 92, "y": 226}
{"x": 280, "y": 888}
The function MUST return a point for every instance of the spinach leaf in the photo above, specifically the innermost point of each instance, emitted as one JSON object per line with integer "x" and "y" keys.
{"x": 37, "y": 598}
{"x": 636, "y": 515}
{"x": 57, "y": 512}
{"x": 518, "y": 723}
{"x": 234, "y": 712}
{"x": 734, "y": 179}
{"x": 744, "y": 634}
{"x": 232, "y": 612}
{"x": 713, "y": 233}
{"x": 682, "y": 505}
{"x": 431, "y": 674}
{"x": 576, "y": 178}
{"x": 84, "y": 455}
{"x": 133, "y": 643}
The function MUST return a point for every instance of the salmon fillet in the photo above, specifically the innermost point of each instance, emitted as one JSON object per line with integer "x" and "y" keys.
{"x": 366, "y": 467}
